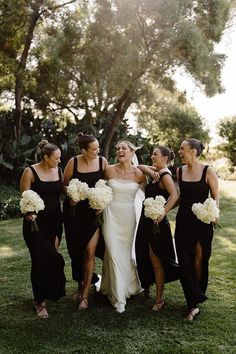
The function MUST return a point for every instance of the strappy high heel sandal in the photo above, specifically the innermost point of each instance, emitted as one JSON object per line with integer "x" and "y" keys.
{"x": 40, "y": 310}
{"x": 83, "y": 303}
{"x": 191, "y": 314}
{"x": 158, "y": 306}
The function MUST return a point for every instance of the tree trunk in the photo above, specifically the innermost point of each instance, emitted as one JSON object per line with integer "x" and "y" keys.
{"x": 19, "y": 75}
{"x": 119, "y": 111}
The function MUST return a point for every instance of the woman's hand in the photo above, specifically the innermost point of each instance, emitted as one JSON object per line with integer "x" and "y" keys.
{"x": 158, "y": 220}
{"x": 30, "y": 216}
{"x": 72, "y": 202}
{"x": 155, "y": 176}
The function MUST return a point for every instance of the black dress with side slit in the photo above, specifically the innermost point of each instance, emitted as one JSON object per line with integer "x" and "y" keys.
{"x": 80, "y": 223}
{"x": 189, "y": 231}
{"x": 47, "y": 265}
{"x": 161, "y": 243}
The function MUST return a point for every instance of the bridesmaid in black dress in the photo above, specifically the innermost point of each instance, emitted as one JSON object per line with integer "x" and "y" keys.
{"x": 155, "y": 254}
{"x": 47, "y": 265}
{"x": 193, "y": 238}
{"x": 81, "y": 229}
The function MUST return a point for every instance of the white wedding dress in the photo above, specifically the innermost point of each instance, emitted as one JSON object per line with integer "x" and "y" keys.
{"x": 119, "y": 276}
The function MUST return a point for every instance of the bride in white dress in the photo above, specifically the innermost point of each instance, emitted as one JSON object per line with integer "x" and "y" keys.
{"x": 119, "y": 276}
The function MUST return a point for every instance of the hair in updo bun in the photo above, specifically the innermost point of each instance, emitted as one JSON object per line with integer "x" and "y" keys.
{"x": 84, "y": 140}
{"x": 47, "y": 148}
{"x": 42, "y": 143}
{"x": 165, "y": 151}
{"x": 196, "y": 144}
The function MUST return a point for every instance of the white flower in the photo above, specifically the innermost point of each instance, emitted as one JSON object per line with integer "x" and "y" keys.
{"x": 31, "y": 202}
{"x": 153, "y": 208}
{"x": 207, "y": 212}
{"x": 100, "y": 196}
{"x": 101, "y": 183}
{"x": 77, "y": 190}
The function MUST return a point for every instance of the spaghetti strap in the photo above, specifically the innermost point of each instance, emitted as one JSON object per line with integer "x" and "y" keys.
{"x": 60, "y": 173}
{"x": 204, "y": 173}
{"x": 34, "y": 173}
{"x": 100, "y": 163}
{"x": 75, "y": 167}
{"x": 180, "y": 173}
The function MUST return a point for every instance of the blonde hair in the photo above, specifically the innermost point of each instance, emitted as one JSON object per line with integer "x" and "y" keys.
{"x": 47, "y": 148}
{"x": 130, "y": 145}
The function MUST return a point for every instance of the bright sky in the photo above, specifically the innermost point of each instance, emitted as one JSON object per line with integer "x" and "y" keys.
{"x": 219, "y": 106}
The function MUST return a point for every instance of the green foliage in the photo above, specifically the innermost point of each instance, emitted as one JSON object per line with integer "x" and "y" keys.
{"x": 9, "y": 202}
{"x": 98, "y": 51}
{"x": 169, "y": 121}
{"x": 13, "y": 158}
{"x": 227, "y": 130}
{"x": 87, "y": 63}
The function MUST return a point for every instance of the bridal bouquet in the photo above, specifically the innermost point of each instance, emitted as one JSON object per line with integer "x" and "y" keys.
{"x": 207, "y": 212}
{"x": 100, "y": 196}
{"x": 153, "y": 208}
{"x": 31, "y": 203}
{"x": 77, "y": 190}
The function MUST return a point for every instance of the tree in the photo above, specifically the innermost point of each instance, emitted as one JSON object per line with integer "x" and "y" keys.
{"x": 94, "y": 60}
{"x": 170, "y": 120}
{"x": 227, "y": 131}
{"x": 97, "y": 61}
{"x": 18, "y": 24}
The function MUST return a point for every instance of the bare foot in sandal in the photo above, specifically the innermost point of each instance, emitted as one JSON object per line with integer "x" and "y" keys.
{"x": 158, "y": 306}
{"x": 41, "y": 310}
{"x": 83, "y": 304}
{"x": 191, "y": 314}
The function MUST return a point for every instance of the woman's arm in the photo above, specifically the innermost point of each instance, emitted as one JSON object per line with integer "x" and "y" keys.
{"x": 68, "y": 172}
{"x": 150, "y": 171}
{"x": 26, "y": 180}
{"x": 212, "y": 181}
{"x": 170, "y": 187}
{"x": 104, "y": 163}
{"x": 25, "y": 184}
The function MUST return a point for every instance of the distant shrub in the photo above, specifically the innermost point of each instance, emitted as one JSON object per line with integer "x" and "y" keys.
{"x": 224, "y": 169}
{"x": 9, "y": 202}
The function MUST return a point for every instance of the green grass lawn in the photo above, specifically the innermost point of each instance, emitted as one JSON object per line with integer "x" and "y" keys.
{"x": 100, "y": 329}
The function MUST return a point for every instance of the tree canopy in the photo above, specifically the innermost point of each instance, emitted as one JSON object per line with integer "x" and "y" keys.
{"x": 88, "y": 61}
{"x": 227, "y": 131}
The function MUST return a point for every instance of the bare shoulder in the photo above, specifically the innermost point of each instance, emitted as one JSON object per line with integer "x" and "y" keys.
{"x": 109, "y": 171}
{"x": 211, "y": 172}
{"x": 140, "y": 175}
{"x": 104, "y": 162}
{"x": 28, "y": 172}
{"x": 71, "y": 161}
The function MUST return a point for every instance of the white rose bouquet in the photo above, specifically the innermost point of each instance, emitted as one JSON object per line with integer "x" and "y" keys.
{"x": 99, "y": 196}
{"x": 207, "y": 212}
{"x": 77, "y": 190}
{"x": 31, "y": 203}
{"x": 154, "y": 208}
